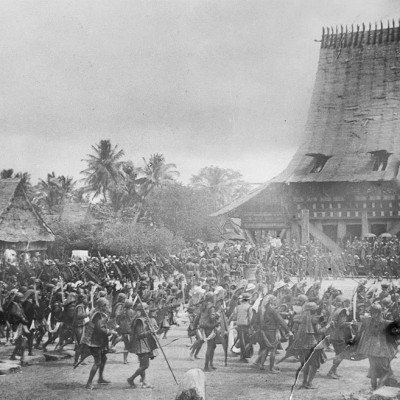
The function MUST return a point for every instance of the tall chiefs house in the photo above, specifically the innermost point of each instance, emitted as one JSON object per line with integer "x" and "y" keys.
{"x": 343, "y": 180}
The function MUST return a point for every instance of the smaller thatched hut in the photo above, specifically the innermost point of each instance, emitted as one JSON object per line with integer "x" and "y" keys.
{"x": 21, "y": 225}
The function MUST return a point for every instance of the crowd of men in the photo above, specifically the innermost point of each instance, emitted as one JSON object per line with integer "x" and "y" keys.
{"x": 99, "y": 302}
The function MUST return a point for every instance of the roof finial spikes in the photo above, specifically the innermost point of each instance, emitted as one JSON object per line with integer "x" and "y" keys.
{"x": 332, "y": 37}
{"x": 398, "y": 32}
{"x": 356, "y": 38}
{"x": 336, "y": 37}
{"x": 381, "y": 33}
{"x": 345, "y": 38}
{"x": 375, "y": 33}
{"x": 323, "y": 37}
{"x": 388, "y": 32}
{"x": 369, "y": 34}
{"x": 351, "y": 35}
{"x": 393, "y": 30}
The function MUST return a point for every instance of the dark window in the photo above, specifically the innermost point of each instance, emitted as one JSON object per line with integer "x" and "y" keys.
{"x": 352, "y": 231}
{"x": 319, "y": 162}
{"x": 380, "y": 158}
{"x": 378, "y": 229}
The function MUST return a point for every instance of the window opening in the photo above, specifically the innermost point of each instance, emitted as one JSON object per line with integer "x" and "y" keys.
{"x": 380, "y": 158}
{"x": 319, "y": 162}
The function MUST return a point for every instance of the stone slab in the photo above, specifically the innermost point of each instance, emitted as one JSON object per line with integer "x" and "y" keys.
{"x": 192, "y": 386}
{"x": 386, "y": 393}
{"x": 57, "y": 355}
{"x": 9, "y": 368}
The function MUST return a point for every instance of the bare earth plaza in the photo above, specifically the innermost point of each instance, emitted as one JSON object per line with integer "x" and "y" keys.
{"x": 222, "y": 215}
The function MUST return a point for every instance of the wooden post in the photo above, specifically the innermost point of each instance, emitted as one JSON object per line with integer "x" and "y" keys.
{"x": 305, "y": 226}
{"x": 341, "y": 229}
{"x": 364, "y": 223}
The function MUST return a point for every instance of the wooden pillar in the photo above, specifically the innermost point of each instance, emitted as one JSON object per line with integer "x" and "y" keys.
{"x": 364, "y": 223}
{"x": 305, "y": 226}
{"x": 341, "y": 229}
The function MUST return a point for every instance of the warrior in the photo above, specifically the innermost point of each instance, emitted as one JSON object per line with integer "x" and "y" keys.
{"x": 340, "y": 333}
{"x": 124, "y": 321}
{"x": 305, "y": 344}
{"x": 80, "y": 319}
{"x": 96, "y": 338}
{"x": 19, "y": 323}
{"x": 243, "y": 315}
{"x": 143, "y": 344}
{"x": 377, "y": 345}
{"x": 271, "y": 323}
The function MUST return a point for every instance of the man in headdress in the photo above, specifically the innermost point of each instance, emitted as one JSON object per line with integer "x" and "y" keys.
{"x": 340, "y": 333}
{"x": 96, "y": 338}
{"x": 18, "y": 323}
{"x": 379, "y": 346}
{"x": 305, "y": 344}
{"x": 143, "y": 345}
{"x": 243, "y": 315}
{"x": 271, "y": 323}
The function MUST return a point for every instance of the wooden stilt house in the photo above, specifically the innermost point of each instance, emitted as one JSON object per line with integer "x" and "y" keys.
{"x": 343, "y": 180}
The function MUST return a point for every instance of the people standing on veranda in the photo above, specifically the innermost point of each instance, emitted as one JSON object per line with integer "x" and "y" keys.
{"x": 143, "y": 344}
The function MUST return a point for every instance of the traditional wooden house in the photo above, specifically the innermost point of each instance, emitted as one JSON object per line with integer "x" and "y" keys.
{"x": 343, "y": 180}
{"x": 21, "y": 225}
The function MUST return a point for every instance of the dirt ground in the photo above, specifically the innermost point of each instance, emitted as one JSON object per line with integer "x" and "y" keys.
{"x": 58, "y": 380}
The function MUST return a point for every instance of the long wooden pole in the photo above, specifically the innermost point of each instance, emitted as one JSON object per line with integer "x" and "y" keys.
{"x": 155, "y": 336}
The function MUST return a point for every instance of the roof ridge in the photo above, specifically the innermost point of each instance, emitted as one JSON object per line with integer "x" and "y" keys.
{"x": 332, "y": 38}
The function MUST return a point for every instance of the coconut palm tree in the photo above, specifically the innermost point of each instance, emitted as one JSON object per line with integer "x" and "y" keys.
{"x": 223, "y": 185}
{"x": 156, "y": 173}
{"x": 52, "y": 192}
{"x": 103, "y": 169}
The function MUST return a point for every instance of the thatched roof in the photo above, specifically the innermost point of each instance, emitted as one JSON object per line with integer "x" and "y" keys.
{"x": 238, "y": 202}
{"x": 354, "y": 114}
{"x": 19, "y": 221}
{"x": 354, "y": 109}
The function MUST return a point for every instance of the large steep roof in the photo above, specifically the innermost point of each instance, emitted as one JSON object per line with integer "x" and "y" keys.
{"x": 355, "y": 108}
{"x": 19, "y": 221}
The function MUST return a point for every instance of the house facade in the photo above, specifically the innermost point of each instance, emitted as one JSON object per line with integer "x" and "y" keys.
{"x": 343, "y": 180}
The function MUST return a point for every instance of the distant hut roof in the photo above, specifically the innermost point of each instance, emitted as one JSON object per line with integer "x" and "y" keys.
{"x": 354, "y": 114}
{"x": 19, "y": 220}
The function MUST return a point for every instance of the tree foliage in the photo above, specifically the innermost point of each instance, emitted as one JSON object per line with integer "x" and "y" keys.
{"x": 103, "y": 170}
{"x": 223, "y": 185}
{"x": 50, "y": 194}
{"x": 125, "y": 238}
{"x": 184, "y": 211}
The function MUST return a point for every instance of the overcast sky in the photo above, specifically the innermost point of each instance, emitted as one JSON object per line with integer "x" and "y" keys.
{"x": 224, "y": 83}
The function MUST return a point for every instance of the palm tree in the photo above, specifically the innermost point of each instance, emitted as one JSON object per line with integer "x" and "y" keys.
{"x": 156, "y": 173}
{"x": 52, "y": 192}
{"x": 103, "y": 169}
{"x": 224, "y": 185}
{"x": 124, "y": 193}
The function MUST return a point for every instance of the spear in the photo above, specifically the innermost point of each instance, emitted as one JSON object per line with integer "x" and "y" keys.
{"x": 155, "y": 336}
